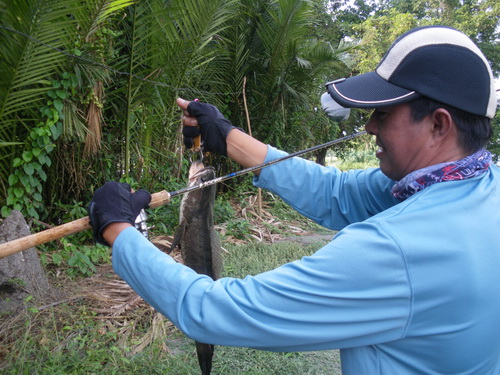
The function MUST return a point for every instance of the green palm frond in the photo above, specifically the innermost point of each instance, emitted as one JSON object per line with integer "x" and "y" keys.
{"x": 173, "y": 43}
{"x": 27, "y": 66}
{"x": 37, "y": 37}
{"x": 101, "y": 11}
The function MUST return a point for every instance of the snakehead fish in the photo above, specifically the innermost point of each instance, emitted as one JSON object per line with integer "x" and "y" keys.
{"x": 198, "y": 241}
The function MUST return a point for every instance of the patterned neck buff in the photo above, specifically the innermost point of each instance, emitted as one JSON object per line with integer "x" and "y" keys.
{"x": 468, "y": 167}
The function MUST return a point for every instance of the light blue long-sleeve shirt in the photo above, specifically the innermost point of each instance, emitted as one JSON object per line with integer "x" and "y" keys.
{"x": 403, "y": 288}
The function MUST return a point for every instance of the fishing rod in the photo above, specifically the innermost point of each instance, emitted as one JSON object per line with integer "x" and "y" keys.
{"x": 157, "y": 200}
{"x": 264, "y": 165}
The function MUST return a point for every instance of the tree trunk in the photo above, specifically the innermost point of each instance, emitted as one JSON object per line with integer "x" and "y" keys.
{"x": 321, "y": 156}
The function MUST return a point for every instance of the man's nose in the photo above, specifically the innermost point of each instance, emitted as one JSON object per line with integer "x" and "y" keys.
{"x": 371, "y": 126}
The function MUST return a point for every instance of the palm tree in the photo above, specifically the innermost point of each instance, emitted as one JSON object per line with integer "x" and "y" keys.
{"x": 171, "y": 43}
{"x": 285, "y": 63}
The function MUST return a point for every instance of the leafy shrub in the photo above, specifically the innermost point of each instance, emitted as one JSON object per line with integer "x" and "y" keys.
{"x": 77, "y": 261}
{"x": 239, "y": 228}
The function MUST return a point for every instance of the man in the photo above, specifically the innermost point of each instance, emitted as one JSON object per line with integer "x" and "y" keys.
{"x": 410, "y": 284}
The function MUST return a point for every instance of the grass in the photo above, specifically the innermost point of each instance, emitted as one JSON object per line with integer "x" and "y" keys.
{"x": 72, "y": 338}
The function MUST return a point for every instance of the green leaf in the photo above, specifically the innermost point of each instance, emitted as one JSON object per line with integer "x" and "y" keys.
{"x": 87, "y": 261}
{"x": 42, "y": 174}
{"x": 32, "y": 212}
{"x": 58, "y": 104}
{"x": 17, "y": 162}
{"x": 6, "y": 211}
{"x": 33, "y": 181}
{"x": 10, "y": 200}
{"x": 41, "y": 159}
{"x": 47, "y": 112}
{"x": 43, "y": 259}
{"x": 43, "y": 141}
{"x": 13, "y": 179}
{"x": 27, "y": 155}
{"x": 74, "y": 81}
{"x": 18, "y": 192}
{"x": 29, "y": 169}
{"x": 44, "y": 159}
{"x": 57, "y": 259}
{"x": 61, "y": 94}
{"x": 36, "y": 152}
{"x": 56, "y": 130}
{"x": 25, "y": 180}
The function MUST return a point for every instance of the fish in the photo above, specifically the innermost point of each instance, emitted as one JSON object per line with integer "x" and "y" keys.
{"x": 198, "y": 241}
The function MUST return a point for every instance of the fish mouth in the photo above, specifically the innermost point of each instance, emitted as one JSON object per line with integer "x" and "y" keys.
{"x": 198, "y": 171}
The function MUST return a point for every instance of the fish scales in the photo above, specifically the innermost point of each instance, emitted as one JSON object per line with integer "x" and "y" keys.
{"x": 198, "y": 241}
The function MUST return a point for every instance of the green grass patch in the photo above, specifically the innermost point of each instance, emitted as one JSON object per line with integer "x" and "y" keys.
{"x": 254, "y": 258}
{"x": 71, "y": 338}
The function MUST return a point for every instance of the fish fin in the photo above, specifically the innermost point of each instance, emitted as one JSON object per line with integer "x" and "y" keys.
{"x": 177, "y": 237}
{"x": 205, "y": 353}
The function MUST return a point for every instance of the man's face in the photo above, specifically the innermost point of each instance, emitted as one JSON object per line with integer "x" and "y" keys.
{"x": 403, "y": 144}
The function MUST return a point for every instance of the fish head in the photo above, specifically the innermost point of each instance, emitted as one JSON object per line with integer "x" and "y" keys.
{"x": 198, "y": 173}
{"x": 200, "y": 201}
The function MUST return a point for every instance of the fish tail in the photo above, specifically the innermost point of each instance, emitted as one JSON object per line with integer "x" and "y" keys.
{"x": 205, "y": 353}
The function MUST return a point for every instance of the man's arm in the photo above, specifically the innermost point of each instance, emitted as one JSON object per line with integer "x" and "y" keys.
{"x": 350, "y": 293}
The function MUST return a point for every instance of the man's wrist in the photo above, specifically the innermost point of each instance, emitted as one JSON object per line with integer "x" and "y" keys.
{"x": 113, "y": 230}
{"x": 245, "y": 149}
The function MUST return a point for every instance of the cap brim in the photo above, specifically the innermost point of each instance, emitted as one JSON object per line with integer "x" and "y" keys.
{"x": 369, "y": 90}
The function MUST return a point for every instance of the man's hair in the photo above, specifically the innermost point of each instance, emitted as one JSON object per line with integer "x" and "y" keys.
{"x": 474, "y": 131}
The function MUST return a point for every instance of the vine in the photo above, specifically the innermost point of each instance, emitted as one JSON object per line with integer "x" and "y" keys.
{"x": 26, "y": 181}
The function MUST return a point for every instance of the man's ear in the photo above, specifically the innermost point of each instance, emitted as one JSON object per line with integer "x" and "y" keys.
{"x": 443, "y": 125}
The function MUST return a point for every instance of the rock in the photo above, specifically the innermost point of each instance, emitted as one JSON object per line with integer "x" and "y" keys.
{"x": 21, "y": 274}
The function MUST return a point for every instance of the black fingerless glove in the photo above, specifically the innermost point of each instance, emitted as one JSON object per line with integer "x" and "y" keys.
{"x": 213, "y": 127}
{"x": 114, "y": 203}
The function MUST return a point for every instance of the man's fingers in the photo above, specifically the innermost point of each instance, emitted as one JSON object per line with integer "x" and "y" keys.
{"x": 187, "y": 118}
{"x": 182, "y": 103}
{"x": 189, "y": 121}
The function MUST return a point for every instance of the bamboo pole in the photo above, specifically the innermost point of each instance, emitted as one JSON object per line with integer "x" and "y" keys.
{"x": 24, "y": 243}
